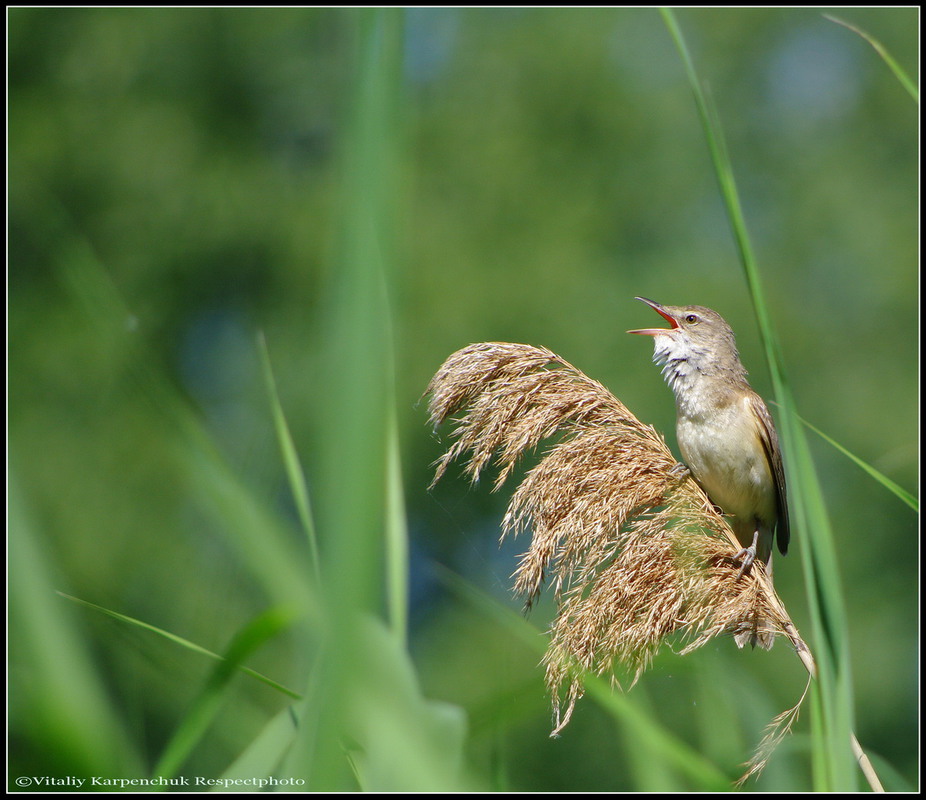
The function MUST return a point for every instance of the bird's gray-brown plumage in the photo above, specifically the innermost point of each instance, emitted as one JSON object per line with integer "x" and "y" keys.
{"x": 724, "y": 429}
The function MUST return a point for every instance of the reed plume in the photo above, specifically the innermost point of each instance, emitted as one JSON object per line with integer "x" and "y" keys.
{"x": 633, "y": 548}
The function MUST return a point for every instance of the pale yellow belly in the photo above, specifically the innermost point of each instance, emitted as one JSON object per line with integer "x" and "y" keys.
{"x": 727, "y": 458}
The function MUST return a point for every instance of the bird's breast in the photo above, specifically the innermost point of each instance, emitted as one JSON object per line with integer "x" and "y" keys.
{"x": 722, "y": 448}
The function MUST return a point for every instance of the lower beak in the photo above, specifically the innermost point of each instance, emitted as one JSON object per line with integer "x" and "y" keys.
{"x": 658, "y": 309}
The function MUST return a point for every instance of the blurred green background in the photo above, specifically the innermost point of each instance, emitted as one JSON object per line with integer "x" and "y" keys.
{"x": 176, "y": 185}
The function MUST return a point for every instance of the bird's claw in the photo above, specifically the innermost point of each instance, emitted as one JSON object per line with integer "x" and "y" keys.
{"x": 748, "y": 555}
{"x": 680, "y": 470}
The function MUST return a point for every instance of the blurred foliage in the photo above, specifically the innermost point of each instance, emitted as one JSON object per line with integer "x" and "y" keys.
{"x": 174, "y": 181}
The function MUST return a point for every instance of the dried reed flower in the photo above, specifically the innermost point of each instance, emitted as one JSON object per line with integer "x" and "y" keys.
{"x": 635, "y": 549}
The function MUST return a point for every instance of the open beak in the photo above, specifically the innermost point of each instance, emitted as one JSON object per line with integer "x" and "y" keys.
{"x": 658, "y": 309}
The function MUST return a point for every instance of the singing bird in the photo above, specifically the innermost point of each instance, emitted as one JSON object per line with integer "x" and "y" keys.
{"x": 725, "y": 432}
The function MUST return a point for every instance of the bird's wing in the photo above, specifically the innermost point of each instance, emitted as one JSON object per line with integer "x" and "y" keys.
{"x": 773, "y": 453}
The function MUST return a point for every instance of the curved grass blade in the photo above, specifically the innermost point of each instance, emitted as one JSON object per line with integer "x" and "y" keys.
{"x": 186, "y": 642}
{"x": 886, "y": 482}
{"x": 881, "y": 50}
{"x": 205, "y": 707}
{"x": 294, "y": 473}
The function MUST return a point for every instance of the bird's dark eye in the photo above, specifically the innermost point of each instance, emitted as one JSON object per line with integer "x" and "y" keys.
{"x": 691, "y": 319}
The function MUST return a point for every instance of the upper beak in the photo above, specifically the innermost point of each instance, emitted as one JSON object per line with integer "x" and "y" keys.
{"x": 659, "y": 309}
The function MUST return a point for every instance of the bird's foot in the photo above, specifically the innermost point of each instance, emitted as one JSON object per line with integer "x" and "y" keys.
{"x": 680, "y": 471}
{"x": 747, "y": 555}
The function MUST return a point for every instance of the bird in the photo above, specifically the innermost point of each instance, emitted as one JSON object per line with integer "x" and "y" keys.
{"x": 725, "y": 433}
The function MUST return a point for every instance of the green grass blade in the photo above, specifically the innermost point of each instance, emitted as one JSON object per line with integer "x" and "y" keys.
{"x": 65, "y": 701}
{"x": 354, "y": 413}
{"x": 205, "y": 707}
{"x": 886, "y": 482}
{"x": 404, "y": 741}
{"x": 294, "y": 473}
{"x": 888, "y": 59}
{"x": 824, "y": 592}
{"x": 182, "y": 642}
{"x": 724, "y": 172}
{"x": 261, "y": 759}
{"x": 396, "y": 537}
{"x": 824, "y": 596}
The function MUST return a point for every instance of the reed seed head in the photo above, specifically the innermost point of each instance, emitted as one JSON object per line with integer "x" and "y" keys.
{"x": 633, "y": 548}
